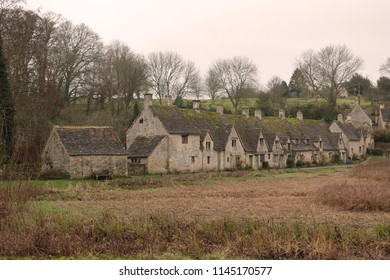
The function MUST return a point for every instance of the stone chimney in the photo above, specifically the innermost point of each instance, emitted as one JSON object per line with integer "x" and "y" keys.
{"x": 168, "y": 100}
{"x": 245, "y": 112}
{"x": 300, "y": 115}
{"x": 282, "y": 114}
{"x": 381, "y": 106}
{"x": 196, "y": 105}
{"x": 148, "y": 100}
{"x": 349, "y": 119}
{"x": 258, "y": 114}
{"x": 340, "y": 118}
{"x": 220, "y": 110}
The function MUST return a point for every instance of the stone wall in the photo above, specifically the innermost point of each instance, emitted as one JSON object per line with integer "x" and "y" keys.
{"x": 54, "y": 157}
{"x": 87, "y": 166}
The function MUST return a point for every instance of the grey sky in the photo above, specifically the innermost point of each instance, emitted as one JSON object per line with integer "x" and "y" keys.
{"x": 272, "y": 33}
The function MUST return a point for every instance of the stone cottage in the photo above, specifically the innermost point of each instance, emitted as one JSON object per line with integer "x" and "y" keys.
{"x": 384, "y": 117}
{"x": 165, "y": 139}
{"x": 84, "y": 151}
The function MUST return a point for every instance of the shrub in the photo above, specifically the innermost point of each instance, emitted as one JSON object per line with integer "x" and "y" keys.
{"x": 336, "y": 158}
{"x": 290, "y": 163}
{"x": 301, "y": 163}
{"x": 375, "y": 152}
{"x": 265, "y": 165}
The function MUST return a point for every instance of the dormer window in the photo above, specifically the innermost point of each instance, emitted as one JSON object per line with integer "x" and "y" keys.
{"x": 234, "y": 143}
{"x": 208, "y": 146}
{"x": 261, "y": 142}
{"x": 184, "y": 139}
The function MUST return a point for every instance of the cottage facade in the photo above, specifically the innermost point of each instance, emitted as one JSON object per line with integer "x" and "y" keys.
{"x": 384, "y": 117}
{"x": 166, "y": 139}
{"x": 81, "y": 152}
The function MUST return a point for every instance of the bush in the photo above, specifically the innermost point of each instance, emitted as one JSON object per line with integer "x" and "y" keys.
{"x": 336, "y": 158}
{"x": 265, "y": 165}
{"x": 301, "y": 163}
{"x": 375, "y": 152}
{"x": 290, "y": 163}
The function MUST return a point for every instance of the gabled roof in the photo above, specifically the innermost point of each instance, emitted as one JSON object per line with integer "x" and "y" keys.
{"x": 144, "y": 146}
{"x": 301, "y": 146}
{"x": 385, "y": 114}
{"x": 92, "y": 140}
{"x": 213, "y": 123}
{"x": 174, "y": 120}
{"x": 359, "y": 116}
{"x": 349, "y": 130}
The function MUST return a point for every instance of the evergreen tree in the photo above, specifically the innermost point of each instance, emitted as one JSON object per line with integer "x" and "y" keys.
{"x": 297, "y": 84}
{"x": 7, "y": 112}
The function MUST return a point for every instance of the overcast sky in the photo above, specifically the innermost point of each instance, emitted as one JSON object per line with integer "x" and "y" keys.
{"x": 271, "y": 33}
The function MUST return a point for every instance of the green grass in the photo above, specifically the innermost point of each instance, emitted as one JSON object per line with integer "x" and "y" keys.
{"x": 251, "y": 102}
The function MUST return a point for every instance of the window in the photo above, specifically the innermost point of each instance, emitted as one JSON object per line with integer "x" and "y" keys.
{"x": 261, "y": 142}
{"x": 141, "y": 120}
{"x": 193, "y": 159}
{"x": 269, "y": 156}
{"x": 228, "y": 159}
{"x": 208, "y": 160}
{"x": 184, "y": 139}
{"x": 135, "y": 160}
{"x": 234, "y": 143}
{"x": 238, "y": 160}
{"x": 208, "y": 146}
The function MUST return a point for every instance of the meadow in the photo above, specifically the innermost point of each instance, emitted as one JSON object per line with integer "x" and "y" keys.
{"x": 321, "y": 213}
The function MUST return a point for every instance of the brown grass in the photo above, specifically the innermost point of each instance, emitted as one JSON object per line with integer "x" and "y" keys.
{"x": 370, "y": 193}
{"x": 270, "y": 215}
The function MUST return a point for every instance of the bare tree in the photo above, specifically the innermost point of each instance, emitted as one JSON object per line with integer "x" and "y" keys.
{"x": 212, "y": 85}
{"x": 77, "y": 49}
{"x": 234, "y": 76}
{"x": 328, "y": 69}
{"x": 169, "y": 74}
{"x": 385, "y": 67}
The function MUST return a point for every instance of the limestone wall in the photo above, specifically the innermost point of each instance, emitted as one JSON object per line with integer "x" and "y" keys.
{"x": 86, "y": 166}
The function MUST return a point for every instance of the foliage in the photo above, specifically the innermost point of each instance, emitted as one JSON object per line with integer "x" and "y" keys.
{"x": 375, "y": 152}
{"x": 298, "y": 85}
{"x": 358, "y": 85}
{"x": 336, "y": 158}
{"x": 381, "y": 135}
{"x": 383, "y": 85}
{"x": 290, "y": 163}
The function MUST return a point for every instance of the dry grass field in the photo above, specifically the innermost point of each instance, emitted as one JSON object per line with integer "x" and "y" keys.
{"x": 330, "y": 213}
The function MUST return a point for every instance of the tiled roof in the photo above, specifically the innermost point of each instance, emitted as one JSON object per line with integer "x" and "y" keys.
{"x": 144, "y": 146}
{"x": 174, "y": 120}
{"x": 213, "y": 123}
{"x": 84, "y": 140}
{"x": 386, "y": 114}
{"x": 349, "y": 130}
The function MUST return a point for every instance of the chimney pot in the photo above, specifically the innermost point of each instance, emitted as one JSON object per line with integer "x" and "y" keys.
{"x": 245, "y": 112}
{"x": 220, "y": 110}
{"x": 340, "y": 118}
{"x": 282, "y": 114}
{"x": 148, "y": 100}
{"x": 258, "y": 114}
{"x": 300, "y": 115}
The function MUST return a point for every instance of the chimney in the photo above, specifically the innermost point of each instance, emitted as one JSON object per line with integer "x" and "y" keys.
{"x": 300, "y": 115}
{"x": 349, "y": 118}
{"x": 168, "y": 100}
{"x": 245, "y": 112}
{"x": 148, "y": 100}
{"x": 258, "y": 114}
{"x": 381, "y": 106}
{"x": 196, "y": 105}
{"x": 282, "y": 114}
{"x": 340, "y": 118}
{"x": 220, "y": 110}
